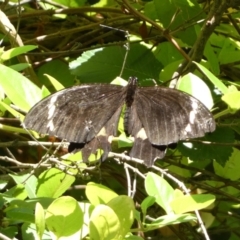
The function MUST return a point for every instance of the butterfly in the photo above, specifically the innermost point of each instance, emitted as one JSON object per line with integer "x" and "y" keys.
{"x": 88, "y": 115}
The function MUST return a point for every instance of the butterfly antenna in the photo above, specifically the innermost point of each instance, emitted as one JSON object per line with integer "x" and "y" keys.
{"x": 126, "y": 45}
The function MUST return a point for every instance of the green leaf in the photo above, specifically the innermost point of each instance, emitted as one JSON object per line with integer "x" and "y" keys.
{"x": 182, "y": 171}
{"x": 133, "y": 237}
{"x": 30, "y": 183}
{"x": 178, "y": 193}
{"x": 191, "y": 203}
{"x": 124, "y": 141}
{"x": 3, "y": 184}
{"x": 104, "y": 224}
{"x": 232, "y": 99}
{"x": 119, "y": 81}
{"x": 146, "y": 203}
{"x": 22, "y": 92}
{"x": 57, "y": 69}
{"x": 13, "y": 52}
{"x": 166, "y": 53}
{"x": 39, "y": 220}
{"x": 211, "y": 58}
{"x": 73, "y": 157}
{"x": 45, "y": 202}
{"x": 20, "y": 66}
{"x": 17, "y": 191}
{"x": 29, "y": 232}
{"x": 159, "y": 188}
{"x": 10, "y": 232}
{"x": 216, "y": 82}
{"x": 53, "y": 183}
{"x": 56, "y": 84}
{"x": 15, "y": 113}
{"x": 150, "y": 10}
{"x": 175, "y": 13}
{"x": 170, "y": 220}
{"x": 12, "y": 129}
{"x": 64, "y": 218}
{"x": 228, "y": 52}
{"x": 18, "y": 212}
{"x": 165, "y": 9}
{"x": 98, "y": 194}
{"x": 196, "y": 87}
{"x": 167, "y": 71}
{"x": 45, "y": 92}
{"x": 196, "y": 150}
{"x": 95, "y": 157}
{"x": 107, "y": 64}
{"x": 231, "y": 169}
{"x": 124, "y": 208}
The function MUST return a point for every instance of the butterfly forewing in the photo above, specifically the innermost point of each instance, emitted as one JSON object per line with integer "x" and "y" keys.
{"x": 77, "y": 113}
{"x": 169, "y": 115}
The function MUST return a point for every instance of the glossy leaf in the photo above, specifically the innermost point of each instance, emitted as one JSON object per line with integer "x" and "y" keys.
{"x": 22, "y": 92}
{"x": 53, "y": 183}
{"x": 64, "y": 218}
{"x": 159, "y": 188}
{"x": 99, "y": 194}
{"x": 124, "y": 208}
{"x": 191, "y": 203}
{"x": 104, "y": 224}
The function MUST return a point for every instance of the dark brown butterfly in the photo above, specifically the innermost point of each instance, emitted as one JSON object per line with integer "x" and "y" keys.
{"x": 88, "y": 115}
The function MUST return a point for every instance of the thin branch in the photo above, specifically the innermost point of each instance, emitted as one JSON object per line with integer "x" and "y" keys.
{"x": 20, "y": 164}
{"x": 162, "y": 31}
{"x": 213, "y": 19}
{"x": 128, "y": 180}
{"x": 4, "y": 237}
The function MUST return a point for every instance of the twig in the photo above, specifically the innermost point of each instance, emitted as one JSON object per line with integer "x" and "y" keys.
{"x": 213, "y": 19}
{"x": 31, "y": 144}
{"x": 20, "y": 164}
{"x": 67, "y": 11}
{"x": 162, "y": 31}
{"x": 128, "y": 180}
{"x": 4, "y": 237}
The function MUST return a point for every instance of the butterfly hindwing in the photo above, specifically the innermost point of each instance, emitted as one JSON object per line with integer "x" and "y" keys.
{"x": 103, "y": 139}
{"x": 169, "y": 115}
{"x": 142, "y": 148}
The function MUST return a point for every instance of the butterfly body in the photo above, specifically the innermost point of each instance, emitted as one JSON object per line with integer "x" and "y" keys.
{"x": 89, "y": 115}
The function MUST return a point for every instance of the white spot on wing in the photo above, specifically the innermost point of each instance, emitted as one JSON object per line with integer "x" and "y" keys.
{"x": 191, "y": 118}
{"x": 188, "y": 128}
{"x": 50, "y": 125}
{"x": 51, "y": 111}
{"x": 141, "y": 134}
{"x": 102, "y": 132}
{"x": 88, "y": 125}
{"x": 194, "y": 105}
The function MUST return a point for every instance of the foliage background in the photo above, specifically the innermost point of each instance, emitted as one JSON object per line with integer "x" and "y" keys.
{"x": 47, "y": 45}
